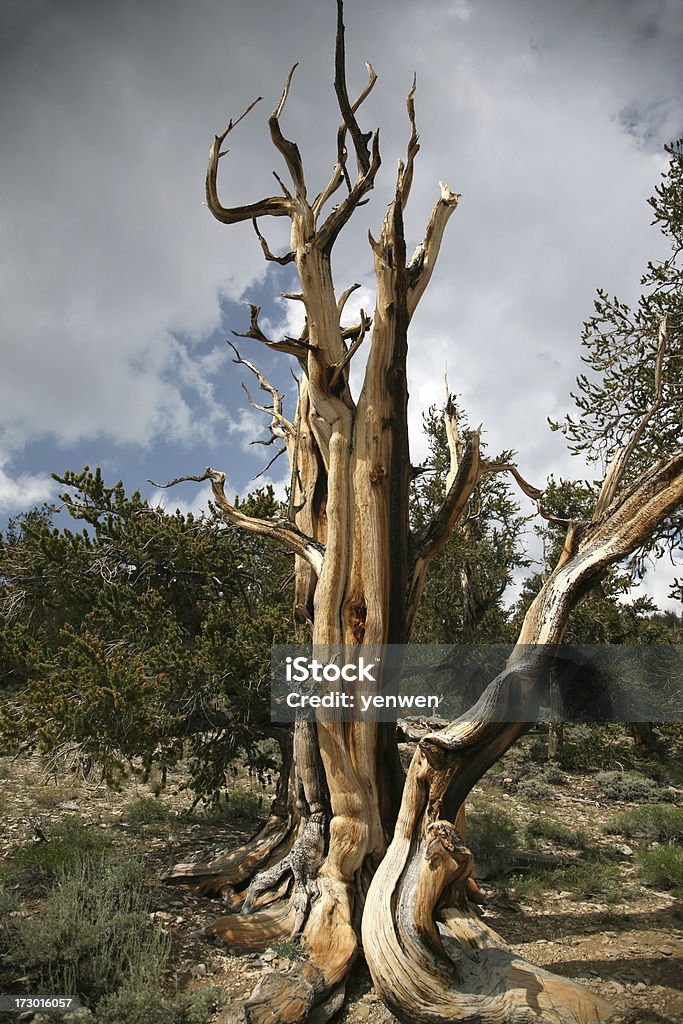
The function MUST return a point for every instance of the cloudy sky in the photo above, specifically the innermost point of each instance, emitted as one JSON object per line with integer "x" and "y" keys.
{"x": 119, "y": 289}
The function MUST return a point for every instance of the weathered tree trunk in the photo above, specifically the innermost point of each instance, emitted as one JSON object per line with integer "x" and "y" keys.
{"x": 342, "y": 853}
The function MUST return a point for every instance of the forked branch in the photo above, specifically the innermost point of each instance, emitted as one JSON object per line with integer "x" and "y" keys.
{"x": 274, "y": 206}
{"x": 359, "y": 138}
{"x": 280, "y": 426}
{"x": 292, "y": 346}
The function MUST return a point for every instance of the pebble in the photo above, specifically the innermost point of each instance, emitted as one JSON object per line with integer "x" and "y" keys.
{"x": 363, "y": 1012}
{"x": 199, "y": 970}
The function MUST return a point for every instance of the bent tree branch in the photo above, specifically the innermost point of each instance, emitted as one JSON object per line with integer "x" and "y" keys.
{"x": 282, "y": 530}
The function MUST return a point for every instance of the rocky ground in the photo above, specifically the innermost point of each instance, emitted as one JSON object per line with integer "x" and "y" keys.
{"x": 584, "y": 911}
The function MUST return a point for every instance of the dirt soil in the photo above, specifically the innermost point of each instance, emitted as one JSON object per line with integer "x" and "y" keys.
{"x": 628, "y": 947}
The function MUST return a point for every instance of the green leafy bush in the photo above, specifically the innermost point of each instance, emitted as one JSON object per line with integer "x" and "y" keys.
{"x": 662, "y": 867}
{"x": 147, "y": 810}
{"x": 630, "y": 786}
{"x": 70, "y": 843}
{"x": 583, "y": 880}
{"x": 134, "y": 1004}
{"x": 141, "y": 638}
{"x": 536, "y": 790}
{"x": 654, "y": 822}
{"x": 557, "y": 832}
{"x": 490, "y": 829}
{"x": 93, "y": 933}
{"x": 236, "y": 805}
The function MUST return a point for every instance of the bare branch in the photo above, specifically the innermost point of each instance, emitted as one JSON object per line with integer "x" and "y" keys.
{"x": 347, "y": 357}
{"x": 339, "y": 174}
{"x": 351, "y": 332}
{"x": 450, "y": 416}
{"x": 275, "y": 206}
{"x": 275, "y": 529}
{"x": 617, "y": 467}
{"x": 413, "y": 148}
{"x": 343, "y": 298}
{"x": 360, "y": 140}
{"x": 338, "y": 217}
{"x": 508, "y": 467}
{"x": 423, "y": 260}
{"x": 454, "y": 503}
{"x": 372, "y": 78}
{"x": 280, "y": 426}
{"x": 291, "y": 346}
{"x": 278, "y": 453}
{"x": 531, "y": 492}
{"x": 368, "y": 157}
{"x": 285, "y": 190}
{"x": 289, "y": 150}
{"x": 282, "y": 260}
{"x": 254, "y": 331}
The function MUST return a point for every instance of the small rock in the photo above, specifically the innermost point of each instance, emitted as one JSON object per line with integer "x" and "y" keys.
{"x": 624, "y": 849}
{"x": 199, "y": 970}
{"x": 363, "y": 1012}
{"x": 268, "y": 956}
{"x": 69, "y": 805}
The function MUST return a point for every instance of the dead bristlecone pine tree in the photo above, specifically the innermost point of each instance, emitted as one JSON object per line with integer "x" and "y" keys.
{"x": 356, "y": 854}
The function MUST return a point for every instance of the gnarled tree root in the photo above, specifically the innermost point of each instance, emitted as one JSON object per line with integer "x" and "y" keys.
{"x": 431, "y": 958}
{"x": 229, "y": 874}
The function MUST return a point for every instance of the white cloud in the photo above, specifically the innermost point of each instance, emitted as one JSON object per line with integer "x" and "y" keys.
{"x": 21, "y": 492}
